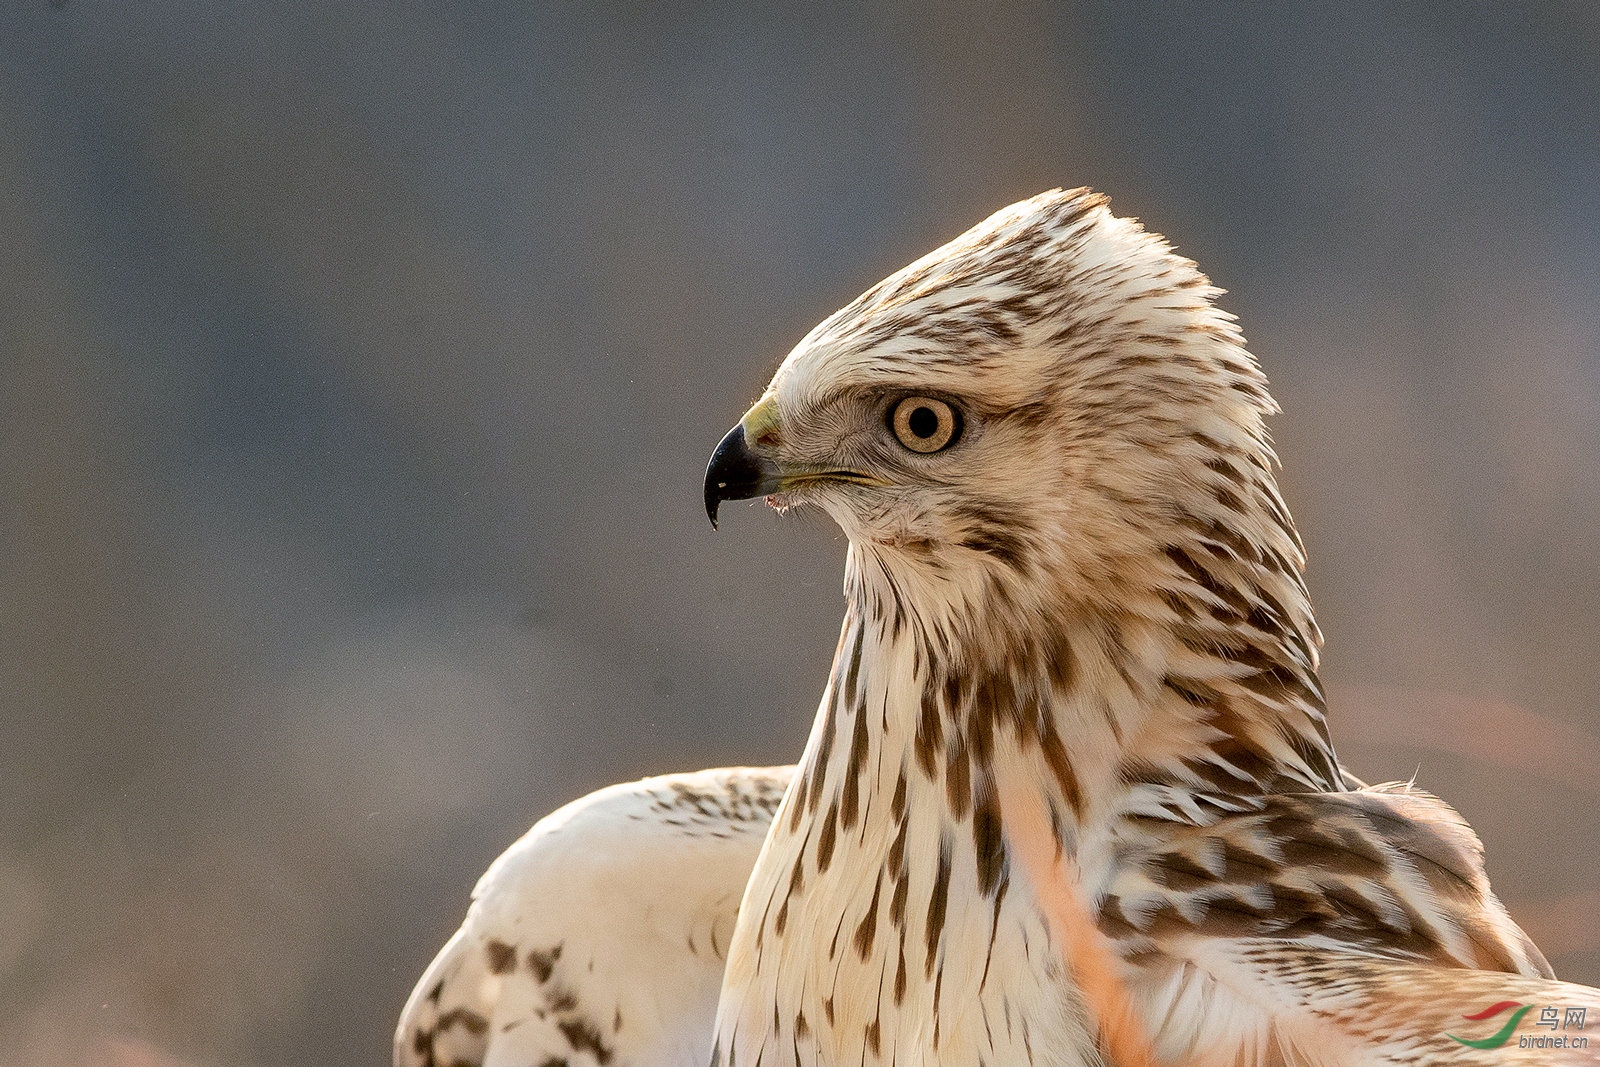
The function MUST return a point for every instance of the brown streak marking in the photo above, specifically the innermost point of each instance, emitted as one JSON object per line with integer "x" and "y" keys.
{"x": 825, "y": 840}
{"x": 957, "y": 777}
{"x": 994, "y": 932}
{"x": 930, "y": 734}
{"x": 988, "y": 838}
{"x": 824, "y": 750}
{"x": 853, "y": 675}
{"x": 854, "y": 766}
{"x": 1055, "y": 757}
{"x": 938, "y": 903}
{"x": 900, "y": 972}
{"x": 897, "y": 850}
{"x": 802, "y": 784}
{"x": 897, "y": 903}
{"x": 868, "y": 928}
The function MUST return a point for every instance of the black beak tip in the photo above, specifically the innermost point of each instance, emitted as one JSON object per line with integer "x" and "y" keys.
{"x": 736, "y": 473}
{"x": 730, "y": 459}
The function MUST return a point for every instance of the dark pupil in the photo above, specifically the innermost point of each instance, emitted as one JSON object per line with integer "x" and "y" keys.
{"x": 923, "y": 422}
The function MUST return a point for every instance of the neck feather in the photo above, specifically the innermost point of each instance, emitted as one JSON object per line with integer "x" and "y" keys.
{"x": 1185, "y": 688}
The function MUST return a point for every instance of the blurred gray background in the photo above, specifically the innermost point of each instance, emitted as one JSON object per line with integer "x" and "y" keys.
{"x": 359, "y": 363}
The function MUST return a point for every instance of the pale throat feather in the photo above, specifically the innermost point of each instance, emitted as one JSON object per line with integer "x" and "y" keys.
{"x": 872, "y": 917}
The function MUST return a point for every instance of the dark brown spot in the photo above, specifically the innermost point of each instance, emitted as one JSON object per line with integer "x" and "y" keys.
{"x": 543, "y": 963}
{"x": 1228, "y": 499}
{"x": 502, "y": 957}
{"x": 1177, "y": 871}
{"x": 583, "y": 1037}
{"x": 1237, "y": 605}
{"x": 1193, "y": 692}
{"x": 1112, "y": 922}
{"x": 1218, "y": 465}
{"x": 1241, "y": 865}
{"x": 998, "y": 542}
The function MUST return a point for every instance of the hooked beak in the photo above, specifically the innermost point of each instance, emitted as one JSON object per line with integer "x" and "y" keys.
{"x": 738, "y": 472}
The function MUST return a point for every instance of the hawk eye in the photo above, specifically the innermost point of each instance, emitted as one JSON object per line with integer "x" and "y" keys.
{"x": 924, "y": 424}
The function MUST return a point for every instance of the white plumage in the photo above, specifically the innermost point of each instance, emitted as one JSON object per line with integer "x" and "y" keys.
{"x": 598, "y": 939}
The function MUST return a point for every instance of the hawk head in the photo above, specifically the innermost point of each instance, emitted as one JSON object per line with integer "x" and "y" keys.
{"x": 1041, "y": 403}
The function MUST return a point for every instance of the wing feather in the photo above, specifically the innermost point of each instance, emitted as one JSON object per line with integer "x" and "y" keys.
{"x": 1327, "y": 930}
{"x": 1389, "y": 870}
{"x": 600, "y": 936}
{"x": 1259, "y": 1003}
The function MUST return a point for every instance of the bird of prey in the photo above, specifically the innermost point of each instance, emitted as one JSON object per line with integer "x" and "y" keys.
{"x": 598, "y": 939}
{"x": 1069, "y": 798}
